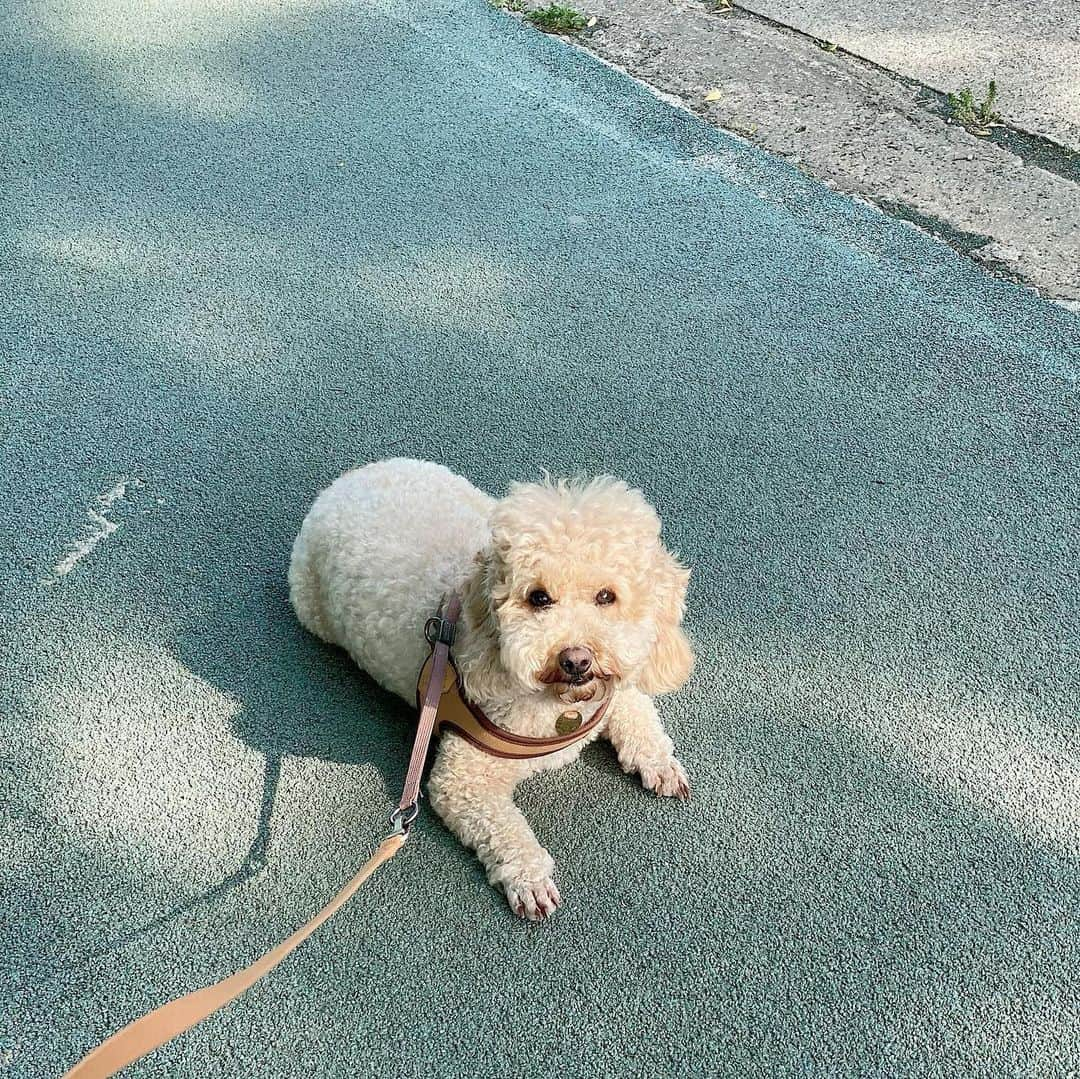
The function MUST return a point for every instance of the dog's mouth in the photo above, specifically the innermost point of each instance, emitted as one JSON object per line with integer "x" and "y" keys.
{"x": 585, "y": 687}
{"x": 557, "y": 677}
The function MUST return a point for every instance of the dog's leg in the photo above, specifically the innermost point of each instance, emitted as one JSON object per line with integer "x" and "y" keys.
{"x": 473, "y": 793}
{"x": 643, "y": 745}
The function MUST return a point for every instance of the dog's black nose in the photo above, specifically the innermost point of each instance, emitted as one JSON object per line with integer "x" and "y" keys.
{"x": 575, "y": 661}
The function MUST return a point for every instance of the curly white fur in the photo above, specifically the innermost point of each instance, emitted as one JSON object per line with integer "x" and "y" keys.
{"x": 384, "y": 543}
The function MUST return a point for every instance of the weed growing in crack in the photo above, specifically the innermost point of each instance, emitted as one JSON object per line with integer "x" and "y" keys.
{"x": 976, "y": 117}
{"x": 557, "y": 19}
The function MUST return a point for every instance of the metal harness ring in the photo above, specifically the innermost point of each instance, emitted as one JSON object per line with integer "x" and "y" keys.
{"x": 403, "y": 816}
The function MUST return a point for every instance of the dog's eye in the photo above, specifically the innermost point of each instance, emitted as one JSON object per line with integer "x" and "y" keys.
{"x": 605, "y": 597}
{"x": 539, "y": 598}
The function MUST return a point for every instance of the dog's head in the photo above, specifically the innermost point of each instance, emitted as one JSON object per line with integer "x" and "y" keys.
{"x": 577, "y": 588}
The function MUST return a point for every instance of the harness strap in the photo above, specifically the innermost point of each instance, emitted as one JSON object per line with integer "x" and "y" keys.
{"x": 440, "y": 632}
{"x": 152, "y": 1031}
{"x": 458, "y": 714}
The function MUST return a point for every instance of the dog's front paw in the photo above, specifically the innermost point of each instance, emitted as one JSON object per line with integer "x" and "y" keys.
{"x": 668, "y": 780}
{"x": 533, "y": 899}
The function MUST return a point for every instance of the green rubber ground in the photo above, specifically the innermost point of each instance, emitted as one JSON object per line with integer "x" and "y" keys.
{"x": 245, "y": 246}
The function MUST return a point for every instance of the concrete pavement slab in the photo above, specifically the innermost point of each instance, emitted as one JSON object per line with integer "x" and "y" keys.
{"x": 1031, "y": 50}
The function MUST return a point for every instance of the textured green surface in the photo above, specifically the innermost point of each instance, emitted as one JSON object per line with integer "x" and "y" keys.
{"x": 247, "y": 246}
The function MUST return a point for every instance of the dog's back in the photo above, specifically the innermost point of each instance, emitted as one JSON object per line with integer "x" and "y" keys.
{"x": 376, "y": 553}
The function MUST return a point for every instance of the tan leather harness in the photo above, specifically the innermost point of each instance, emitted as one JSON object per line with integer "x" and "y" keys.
{"x": 458, "y": 714}
{"x": 445, "y": 709}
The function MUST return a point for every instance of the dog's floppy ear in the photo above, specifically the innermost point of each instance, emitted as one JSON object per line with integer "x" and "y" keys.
{"x": 485, "y": 587}
{"x": 672, "y": 659}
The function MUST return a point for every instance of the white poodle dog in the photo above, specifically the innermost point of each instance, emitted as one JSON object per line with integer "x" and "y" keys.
{"x": 566, "y": 589}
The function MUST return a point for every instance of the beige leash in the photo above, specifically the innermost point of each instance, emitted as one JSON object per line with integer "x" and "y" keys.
{"x": 163, "y": 1024}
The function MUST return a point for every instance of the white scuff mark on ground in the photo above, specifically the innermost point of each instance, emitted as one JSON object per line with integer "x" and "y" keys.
{"x": 99, "y": 527}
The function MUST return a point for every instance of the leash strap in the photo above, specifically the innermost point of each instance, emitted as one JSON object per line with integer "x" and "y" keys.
{"x": 163, "y": 1024}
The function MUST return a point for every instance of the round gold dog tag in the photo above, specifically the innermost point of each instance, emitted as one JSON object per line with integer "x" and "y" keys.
{"x": 568, "y": 722}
